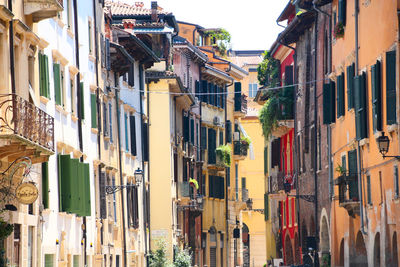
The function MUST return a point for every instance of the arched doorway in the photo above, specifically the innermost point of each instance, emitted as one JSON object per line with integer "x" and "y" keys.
{"x": 325, "y": 247}
{"x": 394, "y": 250}
{"x": 288, "y": 251}
{"x": 246, "y": 245}
{"x": 297, "y": 256}
{"x": 213, "y": 247}
{"x": 377, "y": 250}
{"x": 359, "y": 258}
{"x": 341, "y": 256}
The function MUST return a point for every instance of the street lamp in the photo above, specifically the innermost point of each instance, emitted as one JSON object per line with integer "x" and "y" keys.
{"x": 383, "y": 145}
{"x": 138, "y": 177}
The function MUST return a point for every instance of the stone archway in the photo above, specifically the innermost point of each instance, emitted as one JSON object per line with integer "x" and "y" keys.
{"x": 377, "y": 250}
{"x": 394, "y": 250}
{"x": 288, "y": 251}
{"x": 324, "y": 237}
{"x": 359, "y": 258}
{"x": 341, "y": 254}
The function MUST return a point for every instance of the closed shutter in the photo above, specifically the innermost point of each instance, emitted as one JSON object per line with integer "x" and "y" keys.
{"x": 228, "y": 129}
{"x": 105, "y": 115}
{"x": 203, "y": 137}
{"x": 129, "y": 214}
{"x": 340, "y": 95}
{"x": 342, "y": 12}
{"x": 110, "y": 121}
{"x": 238, "y": 95}
{"x": 86, "y": 191}
{"x": 360, "y": 106}
{"x": 376, "y": 96}
{"x": 108, "y": 60}
{"x": 211, "y": 186}
{"x": 197, "y": 89}
{"x": 131, "y": 75}
{"x": 266, "y": 207}
{"x": 204, "y": 91}
{"x": 211, "y": 146}
{"x": 192, "y": 131}
{"x": 41, "y": 74}
{"x": 265, "y": 160}
{"x": 326, "y": 103}
{"x": 184, "y": 170}
{"x": 212, "y": 95}
{"x": 391, "y": 87}
{"x": 222, "y": 187}
{"x": 353, "y": 183}
{"x": 47, "y": 79}
{"x": 396, "y": 181}
{"x": 369, "y": 197}
{"x": 102, "y": 51}
{"x": 350, "y": 86}
{"x": 126, "y": 132}
{"x": 45, "y": 184}
{"x": 57, "y": 83}
{"x": 132, "y": 122}
{"x": 221, "y": 138}
{"x": 48, "y": 260}
{"x": 64, "y": 172}
{"x": 82, "y": 101}
{"x": 223, "y": 97}
{"x": 217, "y": 96}
{"x": 146, "y": 142}
{"x": 185, "y": 126}
{"x": 332, "y": 105}
{"x": 75, "y": 178}
{"x": 93, "y": 109}
{"x": 103, "y": 200}
{"x": 135, "y": 208}
{"x": 288, "y": 75}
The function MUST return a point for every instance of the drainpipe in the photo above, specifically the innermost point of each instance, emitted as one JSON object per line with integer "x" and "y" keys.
{"x": 148, "y": 163}
{"x": 226, "y": 188}
{"x": 120, "y": 168}
{"x": 141, "y": 90}
{"x": 11, "y": 39}
{"x": 359, "y": 152}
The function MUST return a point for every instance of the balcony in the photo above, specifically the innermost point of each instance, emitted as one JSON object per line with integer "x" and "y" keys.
{"x": 240, "y": 150}
{"x": 240, "y": 106}
{"x": 348, "y": 193}
{"x": 31, "y": 127}
{"x": 276, "y": 184}
{"x": 42, "y": 9}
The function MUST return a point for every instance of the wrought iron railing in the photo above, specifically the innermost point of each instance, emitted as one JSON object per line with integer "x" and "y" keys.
{"x": 348, "y": 188}
{"x": 245, "y": 194}
{"x": 276, "y": 183}
{"x": 240, "y": 148}
{"x": 22, "y": 118}
{"x": 241, "y": 103}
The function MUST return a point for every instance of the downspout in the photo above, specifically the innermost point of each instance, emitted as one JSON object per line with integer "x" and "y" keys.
{"x": 359, "y": 154}
{"x": 11, "y": 39}
{"x": 78, "y": 90}
{"x": 148, "y": 163}
{"x": 228, "y": 169}
{"x": 120, "y": 170}
{"x": 141, "y": 90}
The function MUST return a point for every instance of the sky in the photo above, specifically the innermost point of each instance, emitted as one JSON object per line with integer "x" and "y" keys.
{"x": 251, "y": 23}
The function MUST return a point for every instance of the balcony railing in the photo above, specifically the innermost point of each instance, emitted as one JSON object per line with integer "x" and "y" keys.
{"x": 348, "y": 193}
{"x": 240, "y": 148}
{"x": 276, "y": 183}
{"x": 240, "y": 103}
{"x": 22, "y": 118}
{"x": 193, "y": 205}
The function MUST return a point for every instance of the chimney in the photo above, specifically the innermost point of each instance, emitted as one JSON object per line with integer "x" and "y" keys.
{"x": 154, "y": 17}
{"x": 139, "y": 4}
{"x": 128, "y": 23}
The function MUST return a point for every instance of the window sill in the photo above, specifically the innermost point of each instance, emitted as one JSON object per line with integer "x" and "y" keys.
{"x": 44, "y": 99}
{"x": 351, "y": 110}
{"x": 92, "y": 58}
{"x": 61, "y": 110}
{"x": 94, "y": 130}
{"x": 392, "y": 128}
{"x": 106, "y": 138}
{"x": 74, "y": 118}
{"x": 70, "y": 33}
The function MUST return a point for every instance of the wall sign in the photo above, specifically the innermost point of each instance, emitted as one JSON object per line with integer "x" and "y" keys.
{"x": 26, "y": 193}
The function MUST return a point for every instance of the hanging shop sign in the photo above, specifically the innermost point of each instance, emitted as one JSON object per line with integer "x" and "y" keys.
{"x": 26, "y": 193}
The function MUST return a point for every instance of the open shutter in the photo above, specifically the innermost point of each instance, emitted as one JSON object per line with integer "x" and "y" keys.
{"x": 376, "y": 96}
{"x": 185, "y": 125}
{"x": 146, "y": 142}
{"x": 342, "y": 12}
{"x": 108, "y": 60}
{"x": 133, "y": 135}
{"x": 203, "y": 137}
{"x": 266, "y": 207}
{"x": 228, "y": 129}
{"x": 217, "y": 96}
{"x": 46, "y": 83}
{"x": 238, "y": 96}
{"x": 65, "y": 183}
{"x": 360, "y": 106}
{"x": 41, "y": 74}
{"x": 102, "y": 190}
{"x": 211, "y": 146}
{"x": 391, "y": 87}
{"x": 82, "y": 101}
{"x": 340, "y": 95}
{"x": 211, "y": 97}
{"x": 87, "y": 210}
{"x": 350, "y": 86}
{"x": 288, "y": 75}
{"x": 223, "y": 96}
{"x": 221, "y": 138}
{"x": 353, "y": 183}
{"x": 57, "y": 83}
{"x": 131, "y": 75}
{"x": 93, "y": 110}
{"x": 332, "y": 105}
{"x": 126, "y": 132}
{"x": 45, "y": 184}
{"x": 76, "y": 185}
{"x": 265, "y": 160}
{"x": 326, "y": 104}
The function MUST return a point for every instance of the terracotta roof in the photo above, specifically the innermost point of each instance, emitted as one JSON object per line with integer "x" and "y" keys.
{"x": 118, "y": 8}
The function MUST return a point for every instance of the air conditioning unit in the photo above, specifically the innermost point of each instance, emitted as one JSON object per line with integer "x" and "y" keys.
{"x": 236, "y": 136}
{"x": 217, "y": 121}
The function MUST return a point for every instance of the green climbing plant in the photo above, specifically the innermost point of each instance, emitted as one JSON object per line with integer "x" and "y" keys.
{"x": 222, "y": 39}
{"x": 269, "y": 71}
{"x": 224, "y": 154}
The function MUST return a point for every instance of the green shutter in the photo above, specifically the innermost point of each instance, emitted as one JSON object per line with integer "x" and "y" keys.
{"x": 265, "y": 160}
{"x": 342, "y": 12}
{"x": 391, "y": 87}
{"x": 60, "y": 195}
{"x": 353, "y": 183}
{"x": 41, "y": 75}
{"x": 65, "y": 182}
{"x": 57, "y": 83}
{"x": 340, "y": 95}
{"x": 82, "y": 102}
{"x": 47, "y": 79}
{"x": 369, "y": 197}
{"x": 93, "y": 109}
{"x": 360, "y": 106}
{"x": 228, "y": 134}
{"x": 326, "y": 103}
{"x": 48, "y": 260}
{"x": 75, "y": 176}
{"x": 203, "y": 137}
{"x": 376, "y": 96}
{"x": 45, "y": 184}
{"x": 87, "y": 209}
{"x": 350, "y": 86}
{"x": 332, "y": 104}
{"x": 266, "y": 207}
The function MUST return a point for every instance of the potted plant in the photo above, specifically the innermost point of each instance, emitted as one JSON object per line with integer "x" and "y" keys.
{"x": 246, "y": 141}
{"x": 339, "y": 30}
{"x": 224, "y": 155}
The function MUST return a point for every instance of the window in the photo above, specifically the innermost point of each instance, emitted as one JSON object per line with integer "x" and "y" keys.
{"x": 132, "y": 124}
{"x": 329, "y": 103}
{"x": 44, "y": 75}
{"x": 131, "y": 75}
{"x": 376, "y": 91}
{"x": 396, "y": 182}
{"x": 81, "y": 101}
{"x": 90, "y": 36}
{"x": 391, "y": 87}
{"x": 342, "y": 12}
{"x": 93, "y": 109}
{"x": 369, "y": 199}
{"x": 126, "y": 133}
{"x": 253, "y": 89}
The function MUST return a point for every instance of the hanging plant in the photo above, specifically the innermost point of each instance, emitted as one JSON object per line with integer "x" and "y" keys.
{"x": 269, "y": 116}
{"x": 339, "y": 30}
{"x": 224, "y": 154}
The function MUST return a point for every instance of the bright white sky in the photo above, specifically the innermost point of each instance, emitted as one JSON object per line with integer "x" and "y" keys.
{"x": 252, "y": 23}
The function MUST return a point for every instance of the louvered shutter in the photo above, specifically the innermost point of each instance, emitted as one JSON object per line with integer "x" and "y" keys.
{"x": 192, "y": 131}
{"x": 376, "y": 96}
{"x": 59, "y": 176}
{"x": 76, "y": 174}
{"x": 86, "y": 195}
{"x": 102, "y": 51}
{"x": 45, "y": 184}
{"x": 108, "y": 60}
{"x": 391, "y": 87}
{"x": 102, "y": 190}
{"x": 228, "y": 129}
{"x": 132, "y": 122}
{"x": 266, "y": 207}
{"x": 131, "y": 75}
{"x": 342, "y": 12}
{"x": 42, "y": 75}
{"x": 65, "y": 183}
{"x": 353, "y": 183}
{"x": 126, "y": 132}
{"x": 326, "y": 104}
{"x": 204, "y": 91}
{"x": 265, "y": 160}
{"x": 221, "y": 138}
{"x": 57, "y": 83}
{"x": 203, "y": 137}
{"x": 360, "y": 106}
{"x": 129, "y": 214}
{"x": 369, "y": 199}
{"x": 146, "y": 142}
{"x": 350, "y": 86}
{"x": 197, "y": 89}
{"x": 211, "y": 146}
{"x": 211, "y": 97}
{"x": 216, "y": 92}
{"x": 340, "y": 95}
{"x": 211, "y": 186}
{"x": 93, "y": 110}
{"x": 332, "y": 105}
{"x": 288, "y": 75}
{"x": 47, "y": 79}
{"x": 82, "y": 101}
{"x": 185, "y": 125}
{"x": 223, "y": 97}
{"x": 238, "y": 95}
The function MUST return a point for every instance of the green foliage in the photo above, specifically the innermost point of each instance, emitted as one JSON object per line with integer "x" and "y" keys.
{"x": 159, "y": 258}
{"x": 5, "y": 229}
{"x": 326, "y": 260}
{"x": 269, "y": 71}
{"x": 183, "y": 258}
{"x": 3, "y": 259}
{"x": 339, "y": 30}
{"x": 224, "y": 153}
{"x": 246, "y": 139}
{"x": 222, "y": 39}
{"x": 340, "y": 169}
